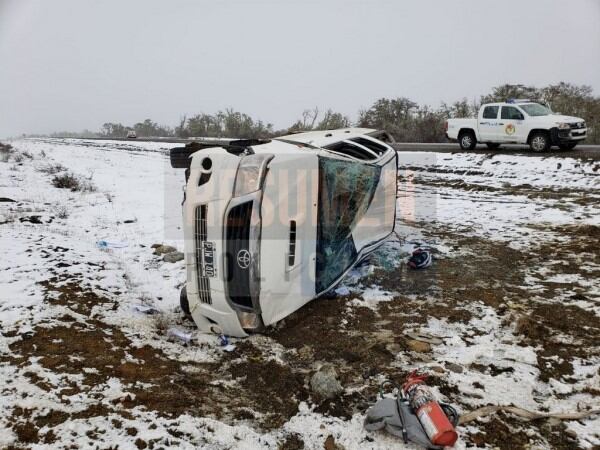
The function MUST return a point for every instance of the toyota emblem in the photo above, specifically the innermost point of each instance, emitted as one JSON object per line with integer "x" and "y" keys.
{"x": 243, "y": 259}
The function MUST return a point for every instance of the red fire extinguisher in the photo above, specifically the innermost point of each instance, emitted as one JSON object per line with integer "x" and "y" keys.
{"x": 433, "y": 419}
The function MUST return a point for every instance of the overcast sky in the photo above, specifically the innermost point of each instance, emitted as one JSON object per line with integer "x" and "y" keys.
{"x": 75, "y": 64}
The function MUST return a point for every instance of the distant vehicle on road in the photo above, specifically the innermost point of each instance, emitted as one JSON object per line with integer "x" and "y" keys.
{"x": 517, "y": 122}
{"x": 131, "y": 135}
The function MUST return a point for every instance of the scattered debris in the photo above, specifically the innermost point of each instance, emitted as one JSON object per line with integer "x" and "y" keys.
{"x": 438, "y": 420}
{"x": 408, "y": 415}
{"x": 342, "y": 291}
{"x": 420, "y": 259}
{"x": 176, "y": 334}
{"x": 395, "y": 416}
{"x": 223, "y": 340}
{"x": 325, "y": 383}
{"x": 107, "y": 244}
{"x": 144, "y": 309}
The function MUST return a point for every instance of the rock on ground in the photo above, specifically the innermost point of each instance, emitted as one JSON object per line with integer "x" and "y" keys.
{"x": 418, "y": 346}
{"x": 325, "y": 383}
{"x": 164, "y": 249}
{"x": 173, "y": 257}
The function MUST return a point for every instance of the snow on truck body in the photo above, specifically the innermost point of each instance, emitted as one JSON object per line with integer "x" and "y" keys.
{"x": 517, "y": 122}
{"x": 271, "y": 225}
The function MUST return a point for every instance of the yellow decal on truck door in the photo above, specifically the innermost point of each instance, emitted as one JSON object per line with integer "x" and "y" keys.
{"x": 510, "y": 129}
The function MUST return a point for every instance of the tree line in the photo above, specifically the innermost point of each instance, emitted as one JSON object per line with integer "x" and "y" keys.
{"x": 405, "y": 119}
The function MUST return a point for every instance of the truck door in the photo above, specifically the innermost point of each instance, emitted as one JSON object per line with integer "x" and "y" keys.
{"x": 488, "y": 124}
{"x": 513, "y": 124}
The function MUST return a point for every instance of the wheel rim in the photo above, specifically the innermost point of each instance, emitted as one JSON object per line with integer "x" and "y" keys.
{"x": 538, "y": 143}
{"x": 466, "y": 141}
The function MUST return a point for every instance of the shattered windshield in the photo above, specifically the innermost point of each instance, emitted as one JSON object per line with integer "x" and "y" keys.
{"x": 535, "y": 109}
{"x": 345, "y": 191}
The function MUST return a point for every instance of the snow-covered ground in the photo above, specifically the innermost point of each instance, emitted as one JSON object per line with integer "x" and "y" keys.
{"x": 476, "y": 212}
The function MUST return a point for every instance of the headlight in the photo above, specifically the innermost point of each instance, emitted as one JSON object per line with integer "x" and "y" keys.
{"x": 563, "y": 126}
{"x": 250, "y": 174}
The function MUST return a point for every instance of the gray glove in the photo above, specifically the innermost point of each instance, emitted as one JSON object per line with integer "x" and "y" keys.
{"x": 395, "y": 416}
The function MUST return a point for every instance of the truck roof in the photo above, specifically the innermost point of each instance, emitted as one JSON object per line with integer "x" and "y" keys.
{"x": 509, "y": 103}
{"x": 326, "y": 137}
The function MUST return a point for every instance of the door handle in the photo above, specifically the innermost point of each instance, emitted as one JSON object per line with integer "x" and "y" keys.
{"x": 501, "y": 123}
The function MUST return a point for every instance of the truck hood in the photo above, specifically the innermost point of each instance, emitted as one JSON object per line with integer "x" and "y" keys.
{"x": 561, "y": 118}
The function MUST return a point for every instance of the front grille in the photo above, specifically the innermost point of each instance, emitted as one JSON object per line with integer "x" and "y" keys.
{"x": 577, "y": 125}
{"x": 237, "y": 255}
{"x": 200, "y": 235}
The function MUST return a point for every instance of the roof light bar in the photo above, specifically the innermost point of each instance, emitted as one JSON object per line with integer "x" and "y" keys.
{"x": 518, "y": 100}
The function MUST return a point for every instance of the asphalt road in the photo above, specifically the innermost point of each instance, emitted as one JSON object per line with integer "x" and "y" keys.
{"x": 581, "y": 151}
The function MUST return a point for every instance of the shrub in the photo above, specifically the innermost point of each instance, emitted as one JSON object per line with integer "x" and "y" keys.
{"x": 52, "y": 169}
{"x": 62, "y": 212}
{"x": 73, "y": 182}
{"x": 66, "y": 181}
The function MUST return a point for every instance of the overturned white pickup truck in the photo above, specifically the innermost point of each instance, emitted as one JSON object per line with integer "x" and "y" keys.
{"x": 271, "y": 224}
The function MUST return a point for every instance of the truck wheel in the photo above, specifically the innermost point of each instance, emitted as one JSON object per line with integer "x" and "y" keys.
{"x": 180, "y": 157}
{"x": 567, "y": 145}
{"x": 539, "y": 142}
{"x": 183, "y": 302}
{"x": 493, "y": 145}
{"x": 467, "y": 140}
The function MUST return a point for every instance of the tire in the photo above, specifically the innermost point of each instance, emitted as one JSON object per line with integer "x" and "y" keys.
{"x": 467, "y": 140}
{"x": 183, "y": 302}
{"x": 539, "y": 142}
{"x": 180, "y": 157}
{"x": 493, "y": 145}
{"x": 567, "y": 146}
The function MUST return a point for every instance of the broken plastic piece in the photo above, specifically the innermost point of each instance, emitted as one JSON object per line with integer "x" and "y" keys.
{"x": 178, "y": 334}
{"x": 223, "y": 340}
{"x": 145, "y": 309}
{"x": 107, "y": 244}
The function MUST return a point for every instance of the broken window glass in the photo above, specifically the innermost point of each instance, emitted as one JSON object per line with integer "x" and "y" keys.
{"x": 345, "y": 191}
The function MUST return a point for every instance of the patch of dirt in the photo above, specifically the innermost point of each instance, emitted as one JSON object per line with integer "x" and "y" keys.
{"x": 562, "y": 331}
{"x": 542, "y": 326}
{"x": 535, "y": 193}
{"x": 291, "y": 442}
{"x": 506, "y": 432}
{"x": 272, "y": 388}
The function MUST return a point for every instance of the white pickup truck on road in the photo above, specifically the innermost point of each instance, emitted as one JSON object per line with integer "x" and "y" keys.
{"x": 517, "y": 122}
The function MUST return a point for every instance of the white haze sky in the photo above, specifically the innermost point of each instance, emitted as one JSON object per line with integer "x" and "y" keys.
{"x": 75, "y": 64}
